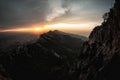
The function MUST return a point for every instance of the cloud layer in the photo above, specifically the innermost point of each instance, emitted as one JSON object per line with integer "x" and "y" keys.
{"x": 17, "y": 13}
{"x": 22, "y": 12}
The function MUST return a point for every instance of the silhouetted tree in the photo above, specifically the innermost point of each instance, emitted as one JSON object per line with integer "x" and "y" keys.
{"x": 105, "y": 16}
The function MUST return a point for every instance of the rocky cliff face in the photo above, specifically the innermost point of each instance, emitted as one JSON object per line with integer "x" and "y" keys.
{"x": 100, "y": 58}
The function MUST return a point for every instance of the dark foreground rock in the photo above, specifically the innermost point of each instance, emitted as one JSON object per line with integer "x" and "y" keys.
{"x": 100, "y": 57}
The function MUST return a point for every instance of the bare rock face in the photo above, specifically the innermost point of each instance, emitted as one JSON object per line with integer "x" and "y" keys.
{"x": 100, "y": 57}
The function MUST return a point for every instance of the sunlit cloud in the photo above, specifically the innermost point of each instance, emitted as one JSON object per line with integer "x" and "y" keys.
{"x": 57, "y": 12}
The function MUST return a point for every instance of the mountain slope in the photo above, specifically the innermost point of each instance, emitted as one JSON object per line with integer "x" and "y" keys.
{"x": 100, "y": 57}
{"x": 59, "y": 41}
{"x": 51, "y": 57}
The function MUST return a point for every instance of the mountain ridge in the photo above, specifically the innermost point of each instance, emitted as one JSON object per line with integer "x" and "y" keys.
{"x": 53, "y": 56}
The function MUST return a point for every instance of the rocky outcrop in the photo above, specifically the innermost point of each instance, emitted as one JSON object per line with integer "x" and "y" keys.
{"x": 100, "y": 57}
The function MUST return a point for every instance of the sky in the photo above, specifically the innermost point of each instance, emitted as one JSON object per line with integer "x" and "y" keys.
{"x": 75, "y": 16}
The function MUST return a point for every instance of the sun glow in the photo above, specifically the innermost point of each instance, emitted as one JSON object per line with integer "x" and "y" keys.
{"x": 65, "y": 26}
{"x": 37, "y": 29}
{"x": 34, "y": 30}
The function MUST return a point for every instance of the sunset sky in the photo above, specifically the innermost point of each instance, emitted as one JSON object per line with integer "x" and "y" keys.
{"x": 75, "y": 16}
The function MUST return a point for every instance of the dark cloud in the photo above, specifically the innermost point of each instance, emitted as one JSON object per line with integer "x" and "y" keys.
{"x": 16, "y": 13}
{"x": 22, "y": 12}
{"x": 66, "y": 3}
